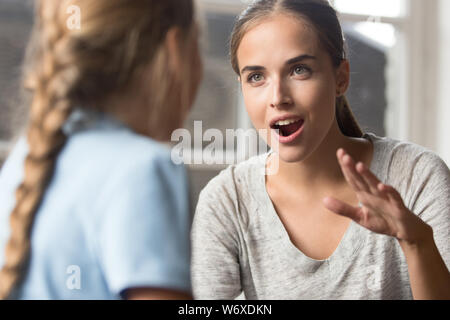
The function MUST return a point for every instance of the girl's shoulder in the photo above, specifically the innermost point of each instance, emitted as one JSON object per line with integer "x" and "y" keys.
{"x": 101, "y": 132}
{"x": 99, "y": 152}
{"x": 106, "y": 147}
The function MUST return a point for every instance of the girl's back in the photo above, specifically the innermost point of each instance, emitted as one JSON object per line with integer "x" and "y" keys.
{"x": 115, "y": 197}
{"x": 91, "y": 205}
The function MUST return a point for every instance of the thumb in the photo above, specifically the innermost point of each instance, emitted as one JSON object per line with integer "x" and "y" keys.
{"x": 342, "y": 208}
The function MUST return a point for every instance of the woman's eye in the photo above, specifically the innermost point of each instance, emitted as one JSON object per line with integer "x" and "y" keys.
{"x": 255, "y": 77}
{"x": 299, "y": 70}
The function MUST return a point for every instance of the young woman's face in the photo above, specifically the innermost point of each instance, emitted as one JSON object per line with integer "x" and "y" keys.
{"x": 286, "y": 75}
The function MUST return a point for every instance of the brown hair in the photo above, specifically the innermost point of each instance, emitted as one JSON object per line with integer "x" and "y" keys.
{"x": 81, "y": 67}
{"x": 322, "y": 16}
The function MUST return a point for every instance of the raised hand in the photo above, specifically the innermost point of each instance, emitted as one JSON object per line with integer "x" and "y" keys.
{"x": 381, "y": 207}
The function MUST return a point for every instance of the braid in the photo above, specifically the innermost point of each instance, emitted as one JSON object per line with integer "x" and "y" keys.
{"x": 50, "y": 109}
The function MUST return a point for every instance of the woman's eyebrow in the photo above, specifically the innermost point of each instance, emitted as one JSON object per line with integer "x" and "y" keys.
{"x": 300, "y": 58}
{"x": 290, "y": 61}
{"x": 252, "y": 68}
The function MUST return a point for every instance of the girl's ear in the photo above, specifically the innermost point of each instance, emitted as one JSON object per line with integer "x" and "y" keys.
{"x": 173, "y": 46}
{"x": 239, "y": 79}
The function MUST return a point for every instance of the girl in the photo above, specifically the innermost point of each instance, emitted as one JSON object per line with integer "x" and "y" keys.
{"x": 347, "y": 215}
{"x": 91, "y": 205}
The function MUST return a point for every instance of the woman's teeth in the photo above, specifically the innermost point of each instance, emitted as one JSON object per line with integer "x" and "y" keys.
{"x": 288, "y": 127}
{"x": 285, "y": 122}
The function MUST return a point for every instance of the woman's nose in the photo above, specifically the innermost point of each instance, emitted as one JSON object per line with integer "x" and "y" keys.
{"x": 281, "y": 97}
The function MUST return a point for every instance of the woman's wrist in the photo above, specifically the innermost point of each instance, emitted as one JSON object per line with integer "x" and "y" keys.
{"x": 428, "y": 274}
{"x": 421, "y": 237}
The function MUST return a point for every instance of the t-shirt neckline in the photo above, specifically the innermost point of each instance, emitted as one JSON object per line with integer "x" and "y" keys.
{"x": 351, "y": 241}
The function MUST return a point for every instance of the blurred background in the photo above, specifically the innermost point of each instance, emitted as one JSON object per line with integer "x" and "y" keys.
{"x": 397, "y": 50}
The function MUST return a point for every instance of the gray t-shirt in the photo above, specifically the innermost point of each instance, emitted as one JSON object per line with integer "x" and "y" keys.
{"x": 240, "y": 244}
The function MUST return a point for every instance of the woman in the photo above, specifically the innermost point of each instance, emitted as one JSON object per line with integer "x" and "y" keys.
{"x": 343, "y": 214}
{"x": 91, "y": 205}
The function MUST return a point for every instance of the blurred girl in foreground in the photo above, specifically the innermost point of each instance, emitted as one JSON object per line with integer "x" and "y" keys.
{"x": 91, "y": 206}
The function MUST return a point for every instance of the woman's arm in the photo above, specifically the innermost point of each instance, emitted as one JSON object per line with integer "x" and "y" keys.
{"x": 384, "y": 212}
{"x": 428, "y": 274}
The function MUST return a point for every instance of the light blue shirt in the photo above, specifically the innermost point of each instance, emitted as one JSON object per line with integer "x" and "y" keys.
{"x": 114, "y": 216}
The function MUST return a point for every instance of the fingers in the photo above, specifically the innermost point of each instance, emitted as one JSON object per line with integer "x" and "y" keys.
{"x": 343, "y": 209}
{"x": 351, "y": 175}
{"x": 392, "y": 194}
{"x": 374, "y": 195}
{"x": 376, "y": 203}
{"x": 370, "y": 179}
{"x": 385, "y": 203}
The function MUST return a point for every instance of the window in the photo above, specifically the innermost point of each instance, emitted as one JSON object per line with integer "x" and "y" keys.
{"x": 377, "y": 51}
{"x": 405, "y": 31}
{"x": 380, "y": 8}
{"x": 15, "y": 25}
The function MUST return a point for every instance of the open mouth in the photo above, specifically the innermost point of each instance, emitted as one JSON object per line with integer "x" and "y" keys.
{"x": 288, "y": 128}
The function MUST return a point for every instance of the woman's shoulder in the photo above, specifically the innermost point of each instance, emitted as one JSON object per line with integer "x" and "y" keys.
{"x": 396, "y": 146}
{"x": 402, "y": 156}
{"x": 393, "y": 147}
{"x": 237, "y": 181}
{"x": 228, "y": 200}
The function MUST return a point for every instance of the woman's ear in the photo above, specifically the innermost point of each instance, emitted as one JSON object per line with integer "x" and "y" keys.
{"x": 343, "y": 77}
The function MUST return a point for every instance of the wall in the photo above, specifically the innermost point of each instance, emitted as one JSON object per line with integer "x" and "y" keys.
{"x": 443, "y": 83}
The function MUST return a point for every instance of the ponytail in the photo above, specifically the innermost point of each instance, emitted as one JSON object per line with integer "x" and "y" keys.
{"x": 346, "y": 119}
